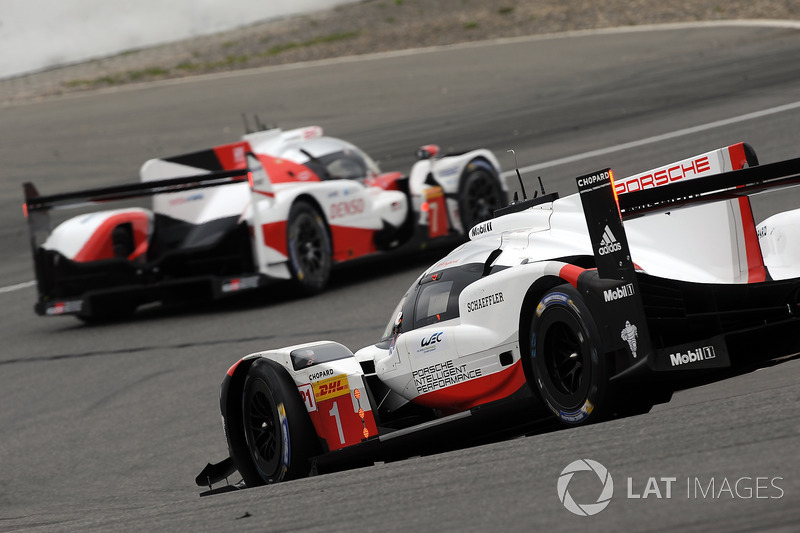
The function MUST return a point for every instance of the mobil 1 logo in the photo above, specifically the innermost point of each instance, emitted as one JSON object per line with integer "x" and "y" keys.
{"x": 701, "y": 353}
{"x": 618, "y": 293}
{"x": 694, "y": 356}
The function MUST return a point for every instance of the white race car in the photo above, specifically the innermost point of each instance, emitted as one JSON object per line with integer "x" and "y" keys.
{"x": 275, "y": 205}
{"x": 554, "y": 304}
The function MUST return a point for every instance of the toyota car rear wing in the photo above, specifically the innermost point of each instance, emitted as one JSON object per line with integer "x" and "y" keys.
{"x": 37, "y": 207}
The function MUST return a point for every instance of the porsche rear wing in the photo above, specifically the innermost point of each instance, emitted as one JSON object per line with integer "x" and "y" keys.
{"x": 724, "y": 186}
{"x": 659, "y": 326}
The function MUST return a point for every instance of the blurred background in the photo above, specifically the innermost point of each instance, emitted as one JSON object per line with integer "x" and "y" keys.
{"x": 41, "y": 34}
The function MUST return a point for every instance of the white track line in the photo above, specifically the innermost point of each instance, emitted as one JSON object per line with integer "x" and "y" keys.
{"x": 18, "y": 286}
{"x": 655, "y": 139}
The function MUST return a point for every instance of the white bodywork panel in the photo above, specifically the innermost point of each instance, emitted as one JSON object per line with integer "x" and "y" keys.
{"x": 466, "y": 348}
{"x": 333, "y": 392}
{"x": 196, "y": 206}
{"x": 705, "y": 243}
{"x": 779, "y": 236}
{"x": 348, "y": 366}
{"x": 69, "y": 237}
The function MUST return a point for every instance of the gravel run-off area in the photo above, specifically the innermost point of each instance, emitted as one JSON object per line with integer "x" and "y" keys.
{"x": 376, "y": 26}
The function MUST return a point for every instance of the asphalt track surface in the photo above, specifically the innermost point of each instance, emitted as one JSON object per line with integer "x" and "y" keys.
{"x": 105, "y": 428}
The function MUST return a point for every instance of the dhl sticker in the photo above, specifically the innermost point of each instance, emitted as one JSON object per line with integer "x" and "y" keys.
{"x": 331, "y": 388}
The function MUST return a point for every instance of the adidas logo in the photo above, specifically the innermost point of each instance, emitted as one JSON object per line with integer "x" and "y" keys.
{"x": 608, "y": 244}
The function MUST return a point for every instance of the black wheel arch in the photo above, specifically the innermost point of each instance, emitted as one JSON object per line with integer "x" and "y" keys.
{"x": 482, "y": 162}
{"x": 478, "y": 163}
{"x": 230, "y": 402}
{"x": 311, "y": 201}
{"x": 529, "y": 302}
{"x": 320, "y": 273}
{"x": 623, "y": 399}
{"x": 544, "y": 284}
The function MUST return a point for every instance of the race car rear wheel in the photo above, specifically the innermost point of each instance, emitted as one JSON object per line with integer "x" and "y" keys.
{"x": 479, "y": 194}
{"x": 565, "y": 365}
{"x": 279, "y": 435}
{"x": 309, "y": 248}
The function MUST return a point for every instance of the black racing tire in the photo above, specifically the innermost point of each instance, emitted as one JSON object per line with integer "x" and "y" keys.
{"x": 565, "y": 365}
{"x": 278, "y": 432}
{"x": 309, "y": 246}
{"x": 479, "y": 194}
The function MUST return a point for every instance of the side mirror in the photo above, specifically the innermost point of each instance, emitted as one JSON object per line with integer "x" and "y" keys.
{"x": 427, "y": 152}
{"x": 398, "y": 322}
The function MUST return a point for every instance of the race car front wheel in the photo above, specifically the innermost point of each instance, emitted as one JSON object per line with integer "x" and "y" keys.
{"x": 565, "y": 364}
{"x": 278, "y": 432}
{"x": 479, "y": 194}
{"x": 309, "y": 248}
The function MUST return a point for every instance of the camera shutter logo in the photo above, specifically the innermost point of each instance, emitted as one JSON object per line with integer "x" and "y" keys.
{"x": 585, "y": 509}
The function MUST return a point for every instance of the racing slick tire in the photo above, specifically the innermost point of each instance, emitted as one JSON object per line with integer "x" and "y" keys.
{"x": 565, "y": 366}
{"x": 309, "y": 246}
{"x": 479, "y": 194}
{"x": 278, "y": 432}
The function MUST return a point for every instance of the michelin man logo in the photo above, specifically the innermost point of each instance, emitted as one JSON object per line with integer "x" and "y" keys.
{"x": 586, "y": 509}
{"x": 629, "y": 334}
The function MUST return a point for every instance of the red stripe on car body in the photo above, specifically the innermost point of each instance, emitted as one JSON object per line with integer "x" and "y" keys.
{"x": 477, "y": 391}
{"x": 756, "y": 272}
{"x": 571, "y": 273}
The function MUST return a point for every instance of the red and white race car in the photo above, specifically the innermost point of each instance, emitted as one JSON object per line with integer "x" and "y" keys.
{"x": 275, "y": 205}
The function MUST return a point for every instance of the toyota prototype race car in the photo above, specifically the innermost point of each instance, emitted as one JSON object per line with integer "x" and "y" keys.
{"x": 555, "y": 303}
{"x": 276, "y": 205}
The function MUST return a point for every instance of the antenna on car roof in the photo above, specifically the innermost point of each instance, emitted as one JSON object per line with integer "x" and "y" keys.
{"x": 519, "y": 177}
{"x": 541, "y": 185}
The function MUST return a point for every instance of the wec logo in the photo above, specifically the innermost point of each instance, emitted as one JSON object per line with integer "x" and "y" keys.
{"x": 433, "y": 339}
{"x": 586, "y": 509}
